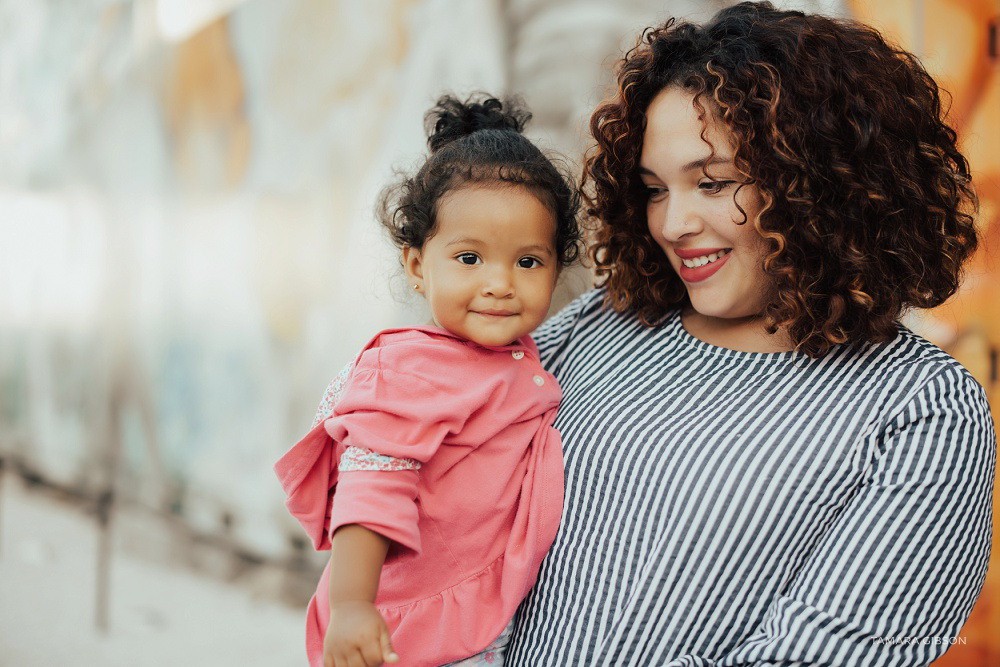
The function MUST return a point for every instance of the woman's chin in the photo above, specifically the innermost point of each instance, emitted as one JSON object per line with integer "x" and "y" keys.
{"x": 733, "y": 313}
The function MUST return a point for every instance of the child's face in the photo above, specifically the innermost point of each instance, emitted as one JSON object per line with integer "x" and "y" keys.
{"x": 695, "y": 219}
{"x": 489, "y": 269}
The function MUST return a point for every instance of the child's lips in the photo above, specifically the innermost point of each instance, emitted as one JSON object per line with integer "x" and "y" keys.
{"x": 493, "y": 312}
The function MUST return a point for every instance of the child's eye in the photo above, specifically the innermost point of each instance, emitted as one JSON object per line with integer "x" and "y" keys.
{"x": 528, "y": 262}
{"x": 714, "y": 187}
{"x": 469, "y": 258}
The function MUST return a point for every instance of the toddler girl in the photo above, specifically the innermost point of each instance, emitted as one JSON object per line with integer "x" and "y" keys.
{"x": 432, "y": 472}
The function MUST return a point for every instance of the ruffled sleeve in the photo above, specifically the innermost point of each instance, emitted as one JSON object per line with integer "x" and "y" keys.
{"x": 407, "y": 393}
{"x": 397, "y": 414}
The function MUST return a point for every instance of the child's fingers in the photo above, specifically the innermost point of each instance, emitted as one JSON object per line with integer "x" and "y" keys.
{"x": 353, "y": 657}
{"x": 349, "y": 659}
{"x": 388, "y": 654}
{"x": 359, "y": 659}
{"x": 375, "y": 653}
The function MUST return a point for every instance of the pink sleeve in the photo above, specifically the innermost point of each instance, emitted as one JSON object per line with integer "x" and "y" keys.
{"x": 308, "y": 474}
{"x": 382, "y": 502}
{"x": 396, "y": 414}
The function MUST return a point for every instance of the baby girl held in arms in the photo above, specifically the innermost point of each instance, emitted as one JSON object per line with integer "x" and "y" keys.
{"x": 432, "y": 472}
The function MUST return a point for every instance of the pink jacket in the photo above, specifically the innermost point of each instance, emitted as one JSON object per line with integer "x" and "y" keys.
{"x": 470, "y": 527}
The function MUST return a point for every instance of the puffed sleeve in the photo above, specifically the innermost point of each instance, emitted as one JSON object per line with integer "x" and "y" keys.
{"x": 897, "y": 573}
{"x": 404, "y": 414}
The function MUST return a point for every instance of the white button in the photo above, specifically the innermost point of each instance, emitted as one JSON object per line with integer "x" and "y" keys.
{"x": 517, "y": 354}
{"x": 538, "y": 380}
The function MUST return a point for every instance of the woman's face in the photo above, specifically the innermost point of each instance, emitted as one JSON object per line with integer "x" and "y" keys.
{"x": 696, "y": 218}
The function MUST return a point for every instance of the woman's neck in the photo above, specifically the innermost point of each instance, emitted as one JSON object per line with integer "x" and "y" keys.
{"x": 744, "y": 334}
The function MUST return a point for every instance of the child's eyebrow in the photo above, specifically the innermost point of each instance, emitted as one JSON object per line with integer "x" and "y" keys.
{"x": 466, "y": 240}
{"x": 542, "y": 249}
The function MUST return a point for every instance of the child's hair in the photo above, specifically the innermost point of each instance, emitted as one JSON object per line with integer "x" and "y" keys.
{"x": 867, "y": 200}
{"x": 479, "y": 141}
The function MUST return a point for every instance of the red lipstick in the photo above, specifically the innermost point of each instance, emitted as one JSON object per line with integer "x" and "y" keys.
{"x": 700, "y": 273}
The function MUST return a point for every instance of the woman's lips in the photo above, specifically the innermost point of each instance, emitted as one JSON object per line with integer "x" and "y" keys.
{"x": 699, "y": 273}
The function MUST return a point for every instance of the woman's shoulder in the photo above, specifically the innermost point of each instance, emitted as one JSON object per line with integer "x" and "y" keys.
{"x": 918, "y": 377}
{"x": 911, "y": 355}
{"x": 583, "y": 312}
{"x": 555, "y": 332}
{"x": 589, "y": 320}
{"x": 929, "y": 354}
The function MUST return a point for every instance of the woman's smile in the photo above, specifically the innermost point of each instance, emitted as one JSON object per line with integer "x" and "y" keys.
{"x": 698, "y": 264}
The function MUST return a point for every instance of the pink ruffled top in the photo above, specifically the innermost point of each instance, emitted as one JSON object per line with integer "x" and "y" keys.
{"x": 468, "y": 528}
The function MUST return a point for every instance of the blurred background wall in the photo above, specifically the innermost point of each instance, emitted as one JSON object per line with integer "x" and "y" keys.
{"x": 187, "y": 247}
{"x": 958, "y": 43}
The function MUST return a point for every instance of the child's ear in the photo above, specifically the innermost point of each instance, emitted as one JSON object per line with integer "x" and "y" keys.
{"x": 413, "y": 266}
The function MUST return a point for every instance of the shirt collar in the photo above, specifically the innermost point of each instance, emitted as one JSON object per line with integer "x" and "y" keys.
{"x": 522, "y": 343}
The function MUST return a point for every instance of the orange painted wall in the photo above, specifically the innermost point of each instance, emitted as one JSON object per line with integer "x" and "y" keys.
{"x": 953, "y": 38}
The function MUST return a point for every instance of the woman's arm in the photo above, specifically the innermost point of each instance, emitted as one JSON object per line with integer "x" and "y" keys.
{"x": 356, "y": 628}
{"x": 897, "y": 573}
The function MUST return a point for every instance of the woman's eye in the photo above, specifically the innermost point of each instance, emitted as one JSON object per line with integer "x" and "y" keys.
{"x": 528, "y": 262}
{"x": 468, "y": 258}
{"x": 654, "y": 193}
{"x": 715, "y": 187}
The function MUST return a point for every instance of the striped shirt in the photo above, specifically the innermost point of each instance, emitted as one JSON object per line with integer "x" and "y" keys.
{"x": 733, "y": 508}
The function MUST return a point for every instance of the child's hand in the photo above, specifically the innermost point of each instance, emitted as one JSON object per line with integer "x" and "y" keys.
{"x": 356, "y": 636}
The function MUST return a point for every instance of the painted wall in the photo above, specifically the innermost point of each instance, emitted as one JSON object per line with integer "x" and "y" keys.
{"x": 953, "y": 38}
{"x": 187, "y": 248}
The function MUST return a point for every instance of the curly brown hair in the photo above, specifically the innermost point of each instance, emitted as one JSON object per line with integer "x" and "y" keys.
{"x": 868, "y": 204}
{"x": 479, "y": 140}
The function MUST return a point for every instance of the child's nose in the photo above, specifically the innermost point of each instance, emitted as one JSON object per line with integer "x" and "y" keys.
{"x": 499, "y": 283}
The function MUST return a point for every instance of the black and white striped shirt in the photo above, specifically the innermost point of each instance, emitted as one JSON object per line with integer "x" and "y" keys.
{"x": 732, "y": 508}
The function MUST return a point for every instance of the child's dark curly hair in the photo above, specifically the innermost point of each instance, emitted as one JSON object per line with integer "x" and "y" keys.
{"x": 479, "y": 141}
{"x": 868, "y": 202}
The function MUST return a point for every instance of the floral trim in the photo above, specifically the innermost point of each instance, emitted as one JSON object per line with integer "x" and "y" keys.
{"x": 332, "y": 394}
{"x": 362, "y": 458}
{"x": 494, "y": 655}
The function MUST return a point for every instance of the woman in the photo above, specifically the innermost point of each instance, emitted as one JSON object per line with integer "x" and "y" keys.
{"x": 763, "y": 467}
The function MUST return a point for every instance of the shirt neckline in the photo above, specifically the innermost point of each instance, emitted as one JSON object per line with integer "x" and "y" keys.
{"x": 521, "y": 343}
{"x": 676, "y": 328}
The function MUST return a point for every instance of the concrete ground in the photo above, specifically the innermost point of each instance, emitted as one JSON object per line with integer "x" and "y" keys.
{"x": 160, "y": 614}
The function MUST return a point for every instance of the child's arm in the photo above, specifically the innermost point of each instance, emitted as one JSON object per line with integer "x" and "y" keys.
{"x": 356, "y": 629}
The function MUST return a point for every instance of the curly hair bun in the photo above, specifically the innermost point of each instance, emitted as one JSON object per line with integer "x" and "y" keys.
{"x": 452, "y": 119}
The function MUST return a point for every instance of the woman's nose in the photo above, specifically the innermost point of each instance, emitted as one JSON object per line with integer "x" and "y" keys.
{"x": 678, "y": 217}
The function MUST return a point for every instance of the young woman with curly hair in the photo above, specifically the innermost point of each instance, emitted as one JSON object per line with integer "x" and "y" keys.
{"x": 763, "y": 466}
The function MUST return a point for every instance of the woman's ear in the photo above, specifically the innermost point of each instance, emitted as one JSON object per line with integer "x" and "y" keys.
{"x": 414, "y": 268}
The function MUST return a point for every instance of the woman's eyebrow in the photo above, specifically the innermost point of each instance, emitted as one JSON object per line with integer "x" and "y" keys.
{"x": 700, "y": 163}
